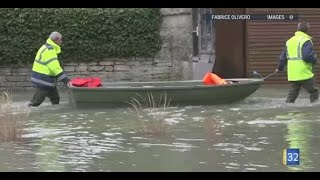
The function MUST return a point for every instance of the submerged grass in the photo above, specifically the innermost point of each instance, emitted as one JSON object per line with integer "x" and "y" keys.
{"x": 152, "y": 111}
{"x": 11, "y": 122}
{"x": 212, "y": 126}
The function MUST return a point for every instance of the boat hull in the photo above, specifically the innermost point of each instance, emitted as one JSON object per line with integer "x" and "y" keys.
{"x": 177, "y": 93}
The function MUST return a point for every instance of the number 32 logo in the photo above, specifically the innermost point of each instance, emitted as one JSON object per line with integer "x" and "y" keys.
{"x": 293, "y": 157}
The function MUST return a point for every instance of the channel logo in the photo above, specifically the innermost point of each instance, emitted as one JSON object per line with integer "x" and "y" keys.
{"x": 291, "y": 157}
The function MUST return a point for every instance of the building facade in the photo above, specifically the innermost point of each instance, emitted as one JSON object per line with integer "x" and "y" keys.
{"x": 255, "y": 45}
{"x": 194, "y": 44}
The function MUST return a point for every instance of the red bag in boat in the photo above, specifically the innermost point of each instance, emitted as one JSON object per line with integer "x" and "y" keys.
{"x": 79, "y": 82}
{"x": 95, "y": 82}
{"x": 86, "y": 82}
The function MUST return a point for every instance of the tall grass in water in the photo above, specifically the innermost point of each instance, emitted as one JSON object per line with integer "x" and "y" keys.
{"x": 11, "y": 122}
{"x": 152, "y": 112}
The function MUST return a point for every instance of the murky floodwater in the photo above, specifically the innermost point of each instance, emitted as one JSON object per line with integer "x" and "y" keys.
{"x": 245, "y": 136}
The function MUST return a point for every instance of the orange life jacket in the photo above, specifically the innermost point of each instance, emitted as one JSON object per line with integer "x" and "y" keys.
{"x": 211, "y": 78}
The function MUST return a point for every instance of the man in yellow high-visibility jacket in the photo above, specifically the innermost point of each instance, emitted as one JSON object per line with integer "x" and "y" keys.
{"x": 46, "y": 71}
{"x": 300, "y": 58}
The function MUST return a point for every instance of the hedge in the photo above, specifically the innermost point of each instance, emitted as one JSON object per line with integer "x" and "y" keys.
{"x": 88, "y": 34}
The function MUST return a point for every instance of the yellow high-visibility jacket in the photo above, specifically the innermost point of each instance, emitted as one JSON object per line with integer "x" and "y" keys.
{"x": 46, "y": 68}
{"x": 298, "y": 69}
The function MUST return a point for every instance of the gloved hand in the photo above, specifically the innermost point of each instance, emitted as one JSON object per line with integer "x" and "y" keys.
{"x": 66, "y": 81}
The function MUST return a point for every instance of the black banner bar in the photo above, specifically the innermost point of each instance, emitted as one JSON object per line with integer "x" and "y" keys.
{"x": 254, "y": 17}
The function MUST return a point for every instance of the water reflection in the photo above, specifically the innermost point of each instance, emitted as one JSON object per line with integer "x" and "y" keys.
{"x": 299, "y": 137}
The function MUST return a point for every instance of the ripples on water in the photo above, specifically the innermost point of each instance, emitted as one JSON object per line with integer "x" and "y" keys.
{"x": 245, "y": 136}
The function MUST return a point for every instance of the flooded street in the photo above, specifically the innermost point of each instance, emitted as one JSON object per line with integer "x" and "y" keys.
{"x": 246, "y": 136}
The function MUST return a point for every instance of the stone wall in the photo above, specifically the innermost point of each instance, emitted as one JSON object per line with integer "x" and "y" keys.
{"x": 173, "y": 62}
